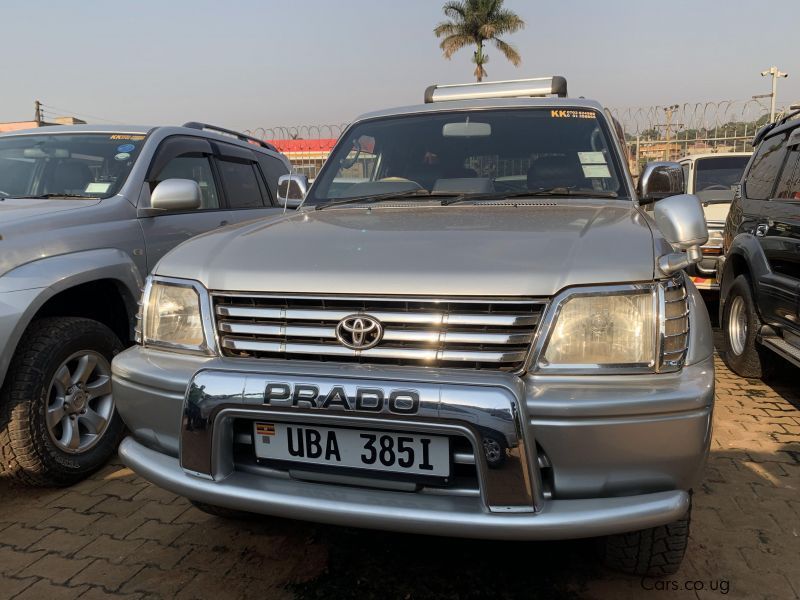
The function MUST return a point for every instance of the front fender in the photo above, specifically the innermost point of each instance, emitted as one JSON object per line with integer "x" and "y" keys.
{"x": 24, "y": 290}
{"x": 747, "y": 249}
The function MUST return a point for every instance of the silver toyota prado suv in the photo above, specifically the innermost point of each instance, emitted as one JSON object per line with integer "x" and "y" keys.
{"x": 471, "y": 327}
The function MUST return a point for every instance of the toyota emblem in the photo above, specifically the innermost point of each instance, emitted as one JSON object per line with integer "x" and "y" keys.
{"x": 359, "y": 332}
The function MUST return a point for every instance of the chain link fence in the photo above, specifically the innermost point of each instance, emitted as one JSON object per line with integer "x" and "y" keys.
{"x": 661, "y": 132}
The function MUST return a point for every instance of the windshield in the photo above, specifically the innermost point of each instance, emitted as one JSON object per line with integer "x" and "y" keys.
{"x": 719, "y": 172}
{"x": 93, "y": 165}
{"x": 472, "y": 152}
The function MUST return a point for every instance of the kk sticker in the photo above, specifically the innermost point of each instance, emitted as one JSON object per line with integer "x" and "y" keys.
{"x": 122, "y": 156}
{"x": 572, "y": 114}
{"x": 133, "y": 138}
{"x": 126, "y": 148}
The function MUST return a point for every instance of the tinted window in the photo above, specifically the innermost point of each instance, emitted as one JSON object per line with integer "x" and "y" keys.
{"x": 241, "y": 184}
{"x": 197, "y": 168}
{"x": 272, "y": 168}
{"x": 789, "y": 184}
{"x": 718, "y": 173}
{"x": 765, "y": 168}
{"x": 495, "y": 151}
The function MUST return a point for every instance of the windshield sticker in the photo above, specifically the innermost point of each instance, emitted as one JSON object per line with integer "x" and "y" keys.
{"x": 122, "y": 156}
{"x": 599, "y": 171}
{"x": 573, "y": 114}
{"x": 133, "y": 138}
{"x": 126, "y": 148}
{"x": 97, "y": 187}
{"x": 592, "y": 158}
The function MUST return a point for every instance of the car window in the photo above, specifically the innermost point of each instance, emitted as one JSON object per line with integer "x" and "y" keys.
{"x": 241, "y": 184}
{"x": 685, "y": 167}
{"x": 764, "y": 170}
{"x": 789, "y": 183}
{"x": 92, "y": 164}
{"x": 494, "y": 151}
{"x": 718, "y": 172}
{"x": 197, "y": 168}
{"x": 272, "y": 168}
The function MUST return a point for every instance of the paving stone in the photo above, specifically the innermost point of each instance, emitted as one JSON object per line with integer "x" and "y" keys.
{"x": 158, "y": 581}
{"x": 109, "y": 576}
{"x": 55, "y": 568}
{"x": 44, "y": 590}
{"x": 11, "y": 586}
{"x": 111, "y": 549}
{"x": 62, "y": 542}
{"x": 12, "y": 561}
{"x": 21, "y": 537}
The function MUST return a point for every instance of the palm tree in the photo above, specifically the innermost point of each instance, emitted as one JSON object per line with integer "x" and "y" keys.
{"x": 475, "y": 22}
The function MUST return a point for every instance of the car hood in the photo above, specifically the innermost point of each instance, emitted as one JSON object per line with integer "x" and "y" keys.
{"x": 16, "y": 210}
{"x": 465, "y": 250}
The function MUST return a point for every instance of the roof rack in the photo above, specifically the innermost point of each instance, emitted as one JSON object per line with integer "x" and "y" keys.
{"x": 513, "y": 88}
{"x": 762, "y": 133}
{"x": 239, "y": 136}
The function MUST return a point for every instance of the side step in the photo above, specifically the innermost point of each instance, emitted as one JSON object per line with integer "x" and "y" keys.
{"x": 782, "y": 347}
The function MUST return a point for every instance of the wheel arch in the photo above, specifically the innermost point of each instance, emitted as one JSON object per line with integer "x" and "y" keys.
{"x": 744, "y": 257}
{"x": 108, "y": 277}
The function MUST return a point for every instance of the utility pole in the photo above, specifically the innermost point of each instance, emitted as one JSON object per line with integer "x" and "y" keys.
{"x": 37, "y": 112}
{"x": 775, "y": 73}
{"x": 669, "y": 111}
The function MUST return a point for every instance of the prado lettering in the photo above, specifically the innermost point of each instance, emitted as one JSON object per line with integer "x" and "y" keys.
{"x": 401, "y": 402}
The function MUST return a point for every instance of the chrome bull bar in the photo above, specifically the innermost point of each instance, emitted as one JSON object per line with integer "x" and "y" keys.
{"x": 214, "y": 398}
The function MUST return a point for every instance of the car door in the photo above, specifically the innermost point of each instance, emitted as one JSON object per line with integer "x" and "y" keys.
{"x": 780, "y": 240}
{"x": 246, "y": 194}
{"x": 182, "y": 157}
{"x": 758, "y": 203}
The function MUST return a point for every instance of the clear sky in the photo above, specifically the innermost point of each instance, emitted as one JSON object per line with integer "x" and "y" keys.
{"x": 247, "y": 63}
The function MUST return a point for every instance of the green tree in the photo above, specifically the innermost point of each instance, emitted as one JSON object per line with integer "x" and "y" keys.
{"x": 474, "y": 22}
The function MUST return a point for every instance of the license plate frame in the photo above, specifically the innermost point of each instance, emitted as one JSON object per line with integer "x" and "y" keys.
{"x": 350, "y": 443}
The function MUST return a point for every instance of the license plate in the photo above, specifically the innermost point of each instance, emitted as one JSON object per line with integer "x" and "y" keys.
{"x": 355, "y": 448}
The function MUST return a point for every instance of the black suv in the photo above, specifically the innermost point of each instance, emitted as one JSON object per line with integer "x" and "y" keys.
{"x": 760, "y": 287}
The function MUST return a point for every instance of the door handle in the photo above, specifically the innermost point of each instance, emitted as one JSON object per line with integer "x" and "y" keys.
{"x": 761, "y": 230}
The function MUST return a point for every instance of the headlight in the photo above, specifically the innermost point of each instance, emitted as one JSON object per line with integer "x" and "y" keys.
{"x": 172, "y": 315}
{"x": 641, "y": 328}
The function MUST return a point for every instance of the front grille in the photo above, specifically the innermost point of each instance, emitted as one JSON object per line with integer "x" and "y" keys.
{"x": 676, "y": 325}
{"x": 443, "y": 332}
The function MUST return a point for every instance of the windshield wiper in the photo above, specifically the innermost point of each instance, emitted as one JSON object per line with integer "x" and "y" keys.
{"x": 371, "y": 199}
{"x": 48, "y": 196}
{"x": 554, "y": 192}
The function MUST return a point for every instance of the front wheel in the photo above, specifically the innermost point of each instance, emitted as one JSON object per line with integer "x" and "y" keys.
{"x": 740, "y": 326}
{"x": 653, "y": 552}
{"x": 58, "y": 423}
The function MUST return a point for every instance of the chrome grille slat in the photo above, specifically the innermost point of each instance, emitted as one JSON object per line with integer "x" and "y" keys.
{"x": 675, "y": 336}
{"x": 462, "y": 332}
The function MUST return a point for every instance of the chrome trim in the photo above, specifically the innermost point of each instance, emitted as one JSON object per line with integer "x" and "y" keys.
{"x": 385, "y": 317}
{"x": 214, "y": 398}
{"x": 432, "y": 331}
{"x": 209, "y": 346}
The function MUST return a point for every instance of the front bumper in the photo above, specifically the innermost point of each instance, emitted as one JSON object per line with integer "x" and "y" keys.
{"x": 410, "y": 513}
{"x": 588, "y": 455}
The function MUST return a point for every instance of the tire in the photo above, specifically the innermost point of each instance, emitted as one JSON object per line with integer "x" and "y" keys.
{"x": 653, "y": 552}
{"x": 84, "y": 428}
{"x": 221, "y": 511}
{"x": 740, "y": 326}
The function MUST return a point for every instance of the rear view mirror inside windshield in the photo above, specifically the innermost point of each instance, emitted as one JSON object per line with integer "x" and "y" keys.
{"x": 466, "y": 129}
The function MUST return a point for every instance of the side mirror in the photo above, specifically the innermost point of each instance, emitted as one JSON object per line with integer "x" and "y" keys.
{"x": 176, "y": 194}
{"x": 660, "y": 180}
{"x": 292, "y": 190}
{"x": 683, "y": 224}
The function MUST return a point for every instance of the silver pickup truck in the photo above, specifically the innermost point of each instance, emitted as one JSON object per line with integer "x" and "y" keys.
{"x": 470, "y": 328}
{"x": 85, "y": 213}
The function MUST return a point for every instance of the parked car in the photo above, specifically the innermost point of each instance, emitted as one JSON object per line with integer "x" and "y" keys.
{"x": 473, "y": 330}
{"x": 85, "y": 214}
{"x": 760, "y": 288}
{"x": 712, "y": 178}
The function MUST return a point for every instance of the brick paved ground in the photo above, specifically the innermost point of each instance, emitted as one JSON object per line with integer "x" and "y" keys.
{"x": 117, "y": 536}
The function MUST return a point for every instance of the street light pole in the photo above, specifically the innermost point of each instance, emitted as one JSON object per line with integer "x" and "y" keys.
{"x": 775, "y": 73}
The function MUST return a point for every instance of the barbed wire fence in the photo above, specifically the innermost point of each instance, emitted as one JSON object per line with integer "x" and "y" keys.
{"x": 660, "y": 132}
